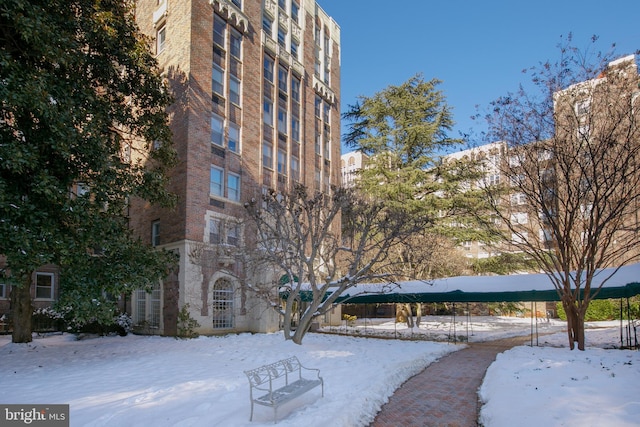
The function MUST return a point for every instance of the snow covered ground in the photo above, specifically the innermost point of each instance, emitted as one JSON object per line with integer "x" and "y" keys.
{"x": 136, "y": 380}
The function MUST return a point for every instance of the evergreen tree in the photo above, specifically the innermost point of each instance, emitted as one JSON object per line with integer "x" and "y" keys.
{"x": 404, "y": 132}
{"x": 82, "y": 106}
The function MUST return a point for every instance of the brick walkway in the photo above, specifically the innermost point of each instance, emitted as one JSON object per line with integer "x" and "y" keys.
{"x": 446, "y": 392}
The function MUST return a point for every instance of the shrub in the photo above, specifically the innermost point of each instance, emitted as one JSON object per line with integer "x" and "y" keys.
{"x": 186, "y": 324}
{"x": 607, "y": 309}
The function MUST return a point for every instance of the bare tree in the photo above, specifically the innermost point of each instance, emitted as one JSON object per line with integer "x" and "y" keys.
{"x": 572, "y": 190}
{"x": 324, "y": 244}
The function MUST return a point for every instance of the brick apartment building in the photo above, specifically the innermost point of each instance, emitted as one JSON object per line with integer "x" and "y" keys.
{"x": 256, "y": 86}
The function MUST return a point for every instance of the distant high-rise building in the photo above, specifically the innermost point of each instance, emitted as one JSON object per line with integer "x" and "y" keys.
{"x": 256, "y": 87}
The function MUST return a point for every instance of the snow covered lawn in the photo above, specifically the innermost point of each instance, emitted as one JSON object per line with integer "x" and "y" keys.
{"x": 142, "y": 381}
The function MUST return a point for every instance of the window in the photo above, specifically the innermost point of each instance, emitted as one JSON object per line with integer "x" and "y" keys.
{"x": 268, "y": 69}
{"x": 582, "y": 108}
{"x": 234, "y": 90}
{"x": 294, "y": 49}
{"x": 235, "y": 47}
{"x": 295, "y": 89}
{"x": 222, "y": 302}
{"x": 295, "y": 10}
{"x": 517, "y": 238}
{"x": 217, "y": 130}
{"x": 327, "y": 111}
{"x": 267, "y": 155}
{"x": 268, "y": 111}
{"x": 295, "y": 128}
{"x": 233, "y": 187}
{"x": 282, "y": 120}
{"x": 238, "y": 3}
{"x": 219, "y": 27}
{"x": 161, "y": 39}
{"x": 44, "y": 286}
{"x": 215, "y": 183}
{"x": 282, "y": 4}
{"x": 518, "y": 199}
{"x": 282, "y": 79}
{"x": 519, "y": 218}
{"x": 318, "y": 144}
{"x": 214, "y": 231}
{"x": 155, "y": 233}
{"x": 317, "y": 106}
{"x": 3, "y": 291}
{"x": 233, "y": 234}
{"x": 217, "y": 80}
{"x": 493, "y": 179}
{"x": 295, "y": 168}
{"x": 282, "y": 162}
{"x": 267, "y": 25}
{"x": 233, "y": 143}
{"x": 545, "y": 235}
{"x": 282, "y": 37}
{"x": 147, "y": 307}
{"x": 515, "y": 161}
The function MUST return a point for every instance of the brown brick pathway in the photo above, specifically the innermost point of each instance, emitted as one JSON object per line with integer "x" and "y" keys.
{"x": 446, "y": 392}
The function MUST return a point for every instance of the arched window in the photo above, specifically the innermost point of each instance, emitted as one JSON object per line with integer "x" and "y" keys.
{"x": 223, "y": 304}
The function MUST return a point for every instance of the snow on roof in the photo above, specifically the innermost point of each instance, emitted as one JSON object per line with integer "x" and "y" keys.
{"x": 518, "y": 287}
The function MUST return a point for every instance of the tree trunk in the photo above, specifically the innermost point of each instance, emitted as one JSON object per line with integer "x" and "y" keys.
{"x": 409, "y": 314}
{"x": 418, "y": 314}
{"x": 575, "y": 326}
{"x": 22, "y": 311}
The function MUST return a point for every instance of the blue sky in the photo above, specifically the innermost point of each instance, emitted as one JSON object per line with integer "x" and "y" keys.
{"x": 477, "y": 48}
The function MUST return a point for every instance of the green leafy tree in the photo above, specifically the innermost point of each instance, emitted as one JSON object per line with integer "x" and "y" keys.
{"x": 82, "y": 106}
{"x": 404, "y": 132}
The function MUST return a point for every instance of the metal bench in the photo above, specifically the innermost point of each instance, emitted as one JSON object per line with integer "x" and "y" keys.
{"x": 279, "y": 382}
